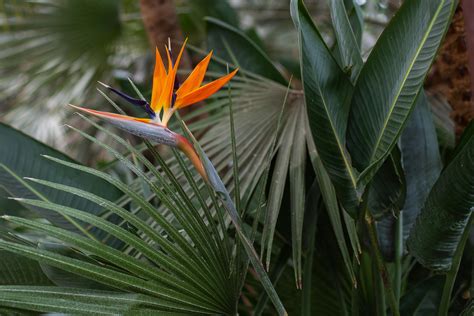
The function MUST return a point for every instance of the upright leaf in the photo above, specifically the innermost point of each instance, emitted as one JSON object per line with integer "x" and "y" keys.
{"x": 390, "y": 81}
{"x": 356, "y": 18}
{"x": 347, "y": 44}
{"x": 438, "y": 229}
{"x": 327, "y": 94}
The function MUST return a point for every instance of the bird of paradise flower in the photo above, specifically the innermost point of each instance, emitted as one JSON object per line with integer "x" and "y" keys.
{"x": 167, "y": 97}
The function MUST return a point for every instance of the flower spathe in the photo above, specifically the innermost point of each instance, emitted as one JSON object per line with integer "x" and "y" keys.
{"x": 167, "y": 97}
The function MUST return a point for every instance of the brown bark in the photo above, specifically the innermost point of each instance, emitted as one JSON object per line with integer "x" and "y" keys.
{"x": 450, "y": 74}
{"x": 468, "y": 7}
{"x": 161, "y": 23}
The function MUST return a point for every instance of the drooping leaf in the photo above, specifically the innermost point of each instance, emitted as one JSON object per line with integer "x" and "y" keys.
{"x": 437, "y": 231}
{"x": 277, "y": 186}
{"x": 388, "y": 85}
{"x": 327, "y": 96}
{"x": 386, "y": 199}
{"x": 297, "y": 194}
{"x": 233, "y": 45}
{"x": 387, "y": 190}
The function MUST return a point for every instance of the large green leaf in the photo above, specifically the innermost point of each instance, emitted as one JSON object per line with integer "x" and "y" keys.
{"x": 390, "y": 81}
{"x": 327, "y": 94}
{"x": 421, "y": 167}
{"x": 437, "y": 231}
{"x": 20, "y": 156}
{"x": 421, "y": 161}
{"x": 18, "y": 270}
{"x": 231, "y": 44}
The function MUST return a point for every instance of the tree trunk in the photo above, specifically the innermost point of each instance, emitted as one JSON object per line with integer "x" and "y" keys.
{"x": 161, "y": 23}
{"x": 468, "y": 7}
{"x": 450, "y": 73}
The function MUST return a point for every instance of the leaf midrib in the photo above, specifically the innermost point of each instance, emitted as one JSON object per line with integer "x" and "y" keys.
{"x": 392, "y": 106}
{"x": 346, "y": 163}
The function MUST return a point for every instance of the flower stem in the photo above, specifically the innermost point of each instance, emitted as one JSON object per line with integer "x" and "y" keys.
{"x": 188, "y": 149}
{"x": 398, "y": 255}
{"x": 382, "y": 269}
{"x": 451, "y": 276}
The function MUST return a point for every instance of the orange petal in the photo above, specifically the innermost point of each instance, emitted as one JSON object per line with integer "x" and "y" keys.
{"x": 114, "y": 116}
{"x": 204, "y": 91}
{"x": 176, "y": 64}
{"x": 196, "y": 77}
{"x": 167, "y": 94}
{"x": 170, "y": 62}
{"x": 159, "y": 76}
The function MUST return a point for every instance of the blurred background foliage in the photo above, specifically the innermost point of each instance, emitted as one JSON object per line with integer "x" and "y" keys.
{"x": 53, "y": 52}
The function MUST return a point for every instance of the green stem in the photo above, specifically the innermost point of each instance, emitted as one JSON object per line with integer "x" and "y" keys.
{"x": 369, "y": 220}
{"x": 451, "y": 276}
{"x": 398, "y": 256}
{"x": 381, "y": 306}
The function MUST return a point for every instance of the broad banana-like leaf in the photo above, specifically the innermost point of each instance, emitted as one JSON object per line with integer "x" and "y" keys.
{"x": 18, "y": 270}
{"x": 438, "y": 229}
{"x": 421, "y": 161}
{"x": 327, "y": 94}
{"x": 421, "y": 167}
{"x": 20, "y": 156}
{"x": 390, "y": 81}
